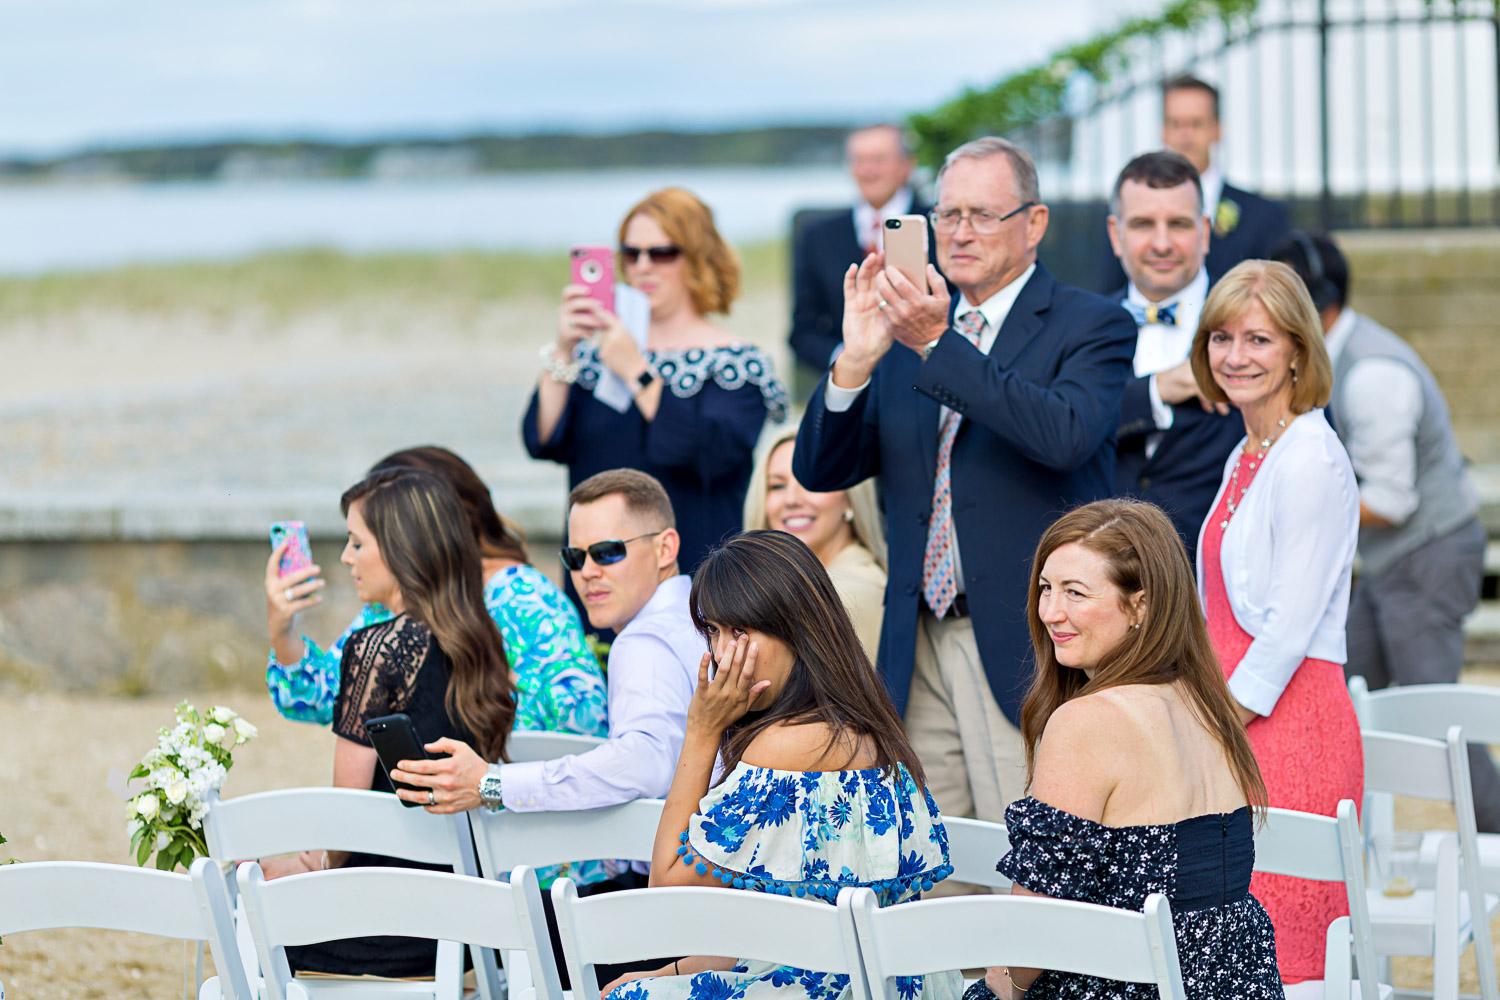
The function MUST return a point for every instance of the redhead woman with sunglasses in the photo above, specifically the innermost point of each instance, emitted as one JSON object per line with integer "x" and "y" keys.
{"x": 700, "y": 397}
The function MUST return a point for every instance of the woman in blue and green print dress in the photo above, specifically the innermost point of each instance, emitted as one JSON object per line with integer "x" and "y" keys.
{"x": 821, "y": 789}
{"x": 559, "y": 686}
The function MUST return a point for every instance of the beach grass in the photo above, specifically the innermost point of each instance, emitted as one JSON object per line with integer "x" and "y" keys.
{"x": 282, "y": 283}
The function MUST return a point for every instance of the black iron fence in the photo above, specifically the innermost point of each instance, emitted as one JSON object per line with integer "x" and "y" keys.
{"x": 1357, "y": 113}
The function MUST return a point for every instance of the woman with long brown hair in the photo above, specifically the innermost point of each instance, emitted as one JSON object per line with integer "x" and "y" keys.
{"x": 820, "y": 788}
{"x": 440, "y": 660}
{"x": 1140, "y": 777}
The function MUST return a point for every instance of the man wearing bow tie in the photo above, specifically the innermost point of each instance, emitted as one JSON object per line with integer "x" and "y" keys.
{"x": 1172, "y": 442}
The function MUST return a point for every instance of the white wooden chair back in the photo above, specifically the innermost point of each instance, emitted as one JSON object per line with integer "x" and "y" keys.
{"x": 533, "y": 745}
{"x": 1439, "y": 771}
{"x": 42, "y": 895}
{"x": 349, "y": 819}
{"x": 505, "y": 839}
{"x": 1306, "y": 845}
{"x": 627, "y": 926}
{"x": 361, "y": 902}
{"x": 936, "y": 935}
{"x": 974, "y": 848}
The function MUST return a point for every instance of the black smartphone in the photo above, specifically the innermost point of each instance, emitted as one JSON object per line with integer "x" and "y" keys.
{"x": 395, "y": 740}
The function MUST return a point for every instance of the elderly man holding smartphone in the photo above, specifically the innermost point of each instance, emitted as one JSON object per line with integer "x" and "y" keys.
{"x": 983, "y": 420}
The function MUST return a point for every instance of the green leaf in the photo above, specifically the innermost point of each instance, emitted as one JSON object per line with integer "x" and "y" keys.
{"x": 143, "y": 851}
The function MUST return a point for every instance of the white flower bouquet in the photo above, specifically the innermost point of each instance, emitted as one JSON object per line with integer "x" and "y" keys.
{"x": 189, "y": 760}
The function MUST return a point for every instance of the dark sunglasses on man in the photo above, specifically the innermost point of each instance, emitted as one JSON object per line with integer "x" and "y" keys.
{"x": 659, "y": 255}
{"x": 603, "y": 553}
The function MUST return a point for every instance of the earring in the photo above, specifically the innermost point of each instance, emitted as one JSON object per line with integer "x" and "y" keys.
{"x": 1294, "y": 374}
{"x": 848, "y": 515}
{"x": 1135, "y": 627}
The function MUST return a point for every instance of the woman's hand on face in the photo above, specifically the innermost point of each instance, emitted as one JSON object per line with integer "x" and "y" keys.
{"x": 576, "y": 320}
{"x": 726, "y": 696}
{"x": 287, "y": 595}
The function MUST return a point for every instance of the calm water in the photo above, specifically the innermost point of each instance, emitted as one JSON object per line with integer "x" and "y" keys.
{"x": 91, "y": 226}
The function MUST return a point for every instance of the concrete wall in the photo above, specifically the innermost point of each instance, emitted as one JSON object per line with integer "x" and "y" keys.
{"x": 1441, "y": 291}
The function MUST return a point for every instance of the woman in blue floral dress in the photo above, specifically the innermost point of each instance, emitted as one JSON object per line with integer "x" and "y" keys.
{"x": 559, "y": 686}
{"x": 821, "y": 789}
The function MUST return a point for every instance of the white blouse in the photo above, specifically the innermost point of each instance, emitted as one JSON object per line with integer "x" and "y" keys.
{"x": 1287, "y": 557}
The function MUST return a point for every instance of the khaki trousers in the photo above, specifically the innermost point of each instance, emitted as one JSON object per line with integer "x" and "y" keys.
{"x": 973, "y": 755}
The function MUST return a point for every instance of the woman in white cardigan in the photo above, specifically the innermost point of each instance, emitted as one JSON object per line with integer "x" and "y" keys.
{"x": 1274, "y": 559}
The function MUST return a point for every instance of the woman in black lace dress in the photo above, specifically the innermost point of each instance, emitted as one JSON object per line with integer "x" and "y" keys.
{"x": 1141, "y": 778}
{"x": 439, "y": 660}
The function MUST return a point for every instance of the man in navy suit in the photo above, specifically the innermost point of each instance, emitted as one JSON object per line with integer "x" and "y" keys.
{"x": 1172, "y": 442}
{"x": 827, "y": 243}
{"x": 1245, "y": 225}
{"x": 983, "y": 424}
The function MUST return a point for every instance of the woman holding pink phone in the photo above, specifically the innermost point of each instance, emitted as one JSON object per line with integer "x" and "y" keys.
{"x": 699, "y": 397}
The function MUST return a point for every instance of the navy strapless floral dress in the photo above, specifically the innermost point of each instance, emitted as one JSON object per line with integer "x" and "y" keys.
{"x": 1225, "y": 943}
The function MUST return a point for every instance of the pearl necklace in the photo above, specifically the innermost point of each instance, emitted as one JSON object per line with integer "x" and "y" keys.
{"x": 1234, "y": 475}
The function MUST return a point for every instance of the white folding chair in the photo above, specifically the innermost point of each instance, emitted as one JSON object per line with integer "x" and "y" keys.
{"x": 963, "y": 932}
{"x": 506, "y": 839}
{"x": 628, "y": 926}
{"x": 348, "y": 819}
{"x": 975, "y": 847}
{"x": 360, "y": 902}
{"x": 1306, "y": 845}
{"x": 42, "y": 895}
{"x": 1442, "y": 920}
{"x": 535, "y": 745}
{"x": 1428, "y": 710}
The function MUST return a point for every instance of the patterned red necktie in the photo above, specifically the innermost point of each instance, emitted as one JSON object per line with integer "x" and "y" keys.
{"x": 939, "y": 582}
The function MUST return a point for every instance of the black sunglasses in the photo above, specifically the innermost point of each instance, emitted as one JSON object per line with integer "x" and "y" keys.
{"x": 603, "y": 553}
{"x": 659, "y": 255}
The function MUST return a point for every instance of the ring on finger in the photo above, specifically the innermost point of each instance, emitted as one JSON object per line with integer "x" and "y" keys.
{"x": 287, "y": 593}
{"x": 431, "y": 797}
{"x": 883, "y": 303}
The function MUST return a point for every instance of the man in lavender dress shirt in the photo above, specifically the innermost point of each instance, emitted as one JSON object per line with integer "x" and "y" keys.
{"x": 621, "y": 538}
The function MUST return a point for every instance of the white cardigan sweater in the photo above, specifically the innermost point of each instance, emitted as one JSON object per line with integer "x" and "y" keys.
{"x": 1287, "y": 557}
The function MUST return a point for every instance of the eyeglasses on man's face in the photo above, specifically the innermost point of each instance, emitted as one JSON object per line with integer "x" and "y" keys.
{"x": 981, "y": 220}
{"x": 659, "y": 255}
{"x": 605, "y": 553}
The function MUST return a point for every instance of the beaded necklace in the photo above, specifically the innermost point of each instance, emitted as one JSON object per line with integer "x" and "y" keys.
{"x": 1234, "y": 475}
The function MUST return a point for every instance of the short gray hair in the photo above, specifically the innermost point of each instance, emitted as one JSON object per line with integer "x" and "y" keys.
{"x": 1022, "y": 167}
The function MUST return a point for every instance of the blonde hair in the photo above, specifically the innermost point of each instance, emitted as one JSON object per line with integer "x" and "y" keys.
{"x": 869, "y": 527}
{"x": 712, "y": 270}
{"x": 1276, "y": 287}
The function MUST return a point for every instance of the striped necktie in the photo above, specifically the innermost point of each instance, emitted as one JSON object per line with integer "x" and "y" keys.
{"x": 939, "y": 582}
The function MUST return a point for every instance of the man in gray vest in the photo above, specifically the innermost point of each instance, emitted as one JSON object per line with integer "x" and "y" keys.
{"x": 1420, "y": 541}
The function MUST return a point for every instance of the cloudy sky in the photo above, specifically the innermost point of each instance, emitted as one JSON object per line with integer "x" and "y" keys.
{"x": 84, "y": 72}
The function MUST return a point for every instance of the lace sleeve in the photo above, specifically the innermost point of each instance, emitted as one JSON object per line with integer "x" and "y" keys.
{"x": 379, "y": 669}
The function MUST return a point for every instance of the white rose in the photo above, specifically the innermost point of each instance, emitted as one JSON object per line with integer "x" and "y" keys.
{"x": 244, "y": 731}
{"x": 133, "y": 827}
{"x": 214, "y": 733}
{"x": 222, "y": 715}
{"x": 147, "y": 806}
{"x": 177, "y": 790}
{"x": 162, "y": 840}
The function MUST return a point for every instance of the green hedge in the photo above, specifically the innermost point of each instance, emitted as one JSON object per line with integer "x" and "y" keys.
{"x": 1037, "y": 93}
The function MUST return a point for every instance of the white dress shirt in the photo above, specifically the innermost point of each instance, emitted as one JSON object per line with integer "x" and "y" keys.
{"x": 1381, "y": 406}
{"x": 1159, "y": 346}
{"x": 994, "y": 309}
{"x": 869, "y": 220}
{"x": 653, "y": 669}
{"x": 1286, "y": 558}
{"x": 1212, "y": 180}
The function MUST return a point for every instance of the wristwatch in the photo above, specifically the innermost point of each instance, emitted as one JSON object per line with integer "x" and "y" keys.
{"x": 489, "y": 789}
{"x": 643, "y": 381}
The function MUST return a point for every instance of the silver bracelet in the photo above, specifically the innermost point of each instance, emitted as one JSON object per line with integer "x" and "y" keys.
{"x": 567, "y": 374}
{"x": 490, "y": 795}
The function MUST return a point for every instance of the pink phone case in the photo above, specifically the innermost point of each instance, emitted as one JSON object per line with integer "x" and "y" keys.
{"x": 298, "y": 552}
{"x": 594, "y": 269}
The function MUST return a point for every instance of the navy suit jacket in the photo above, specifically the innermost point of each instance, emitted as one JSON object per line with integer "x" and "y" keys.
{"x": 823, "y": 247}
{"x": 1261, "y": 225}
{"x": 1182, "y": 476}
{"x": 1037, "y": 438}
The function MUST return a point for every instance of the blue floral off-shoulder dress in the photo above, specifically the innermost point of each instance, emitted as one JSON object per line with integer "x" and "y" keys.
{"x": 810, "y": 834}
{"x": 1225, "y": 943}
